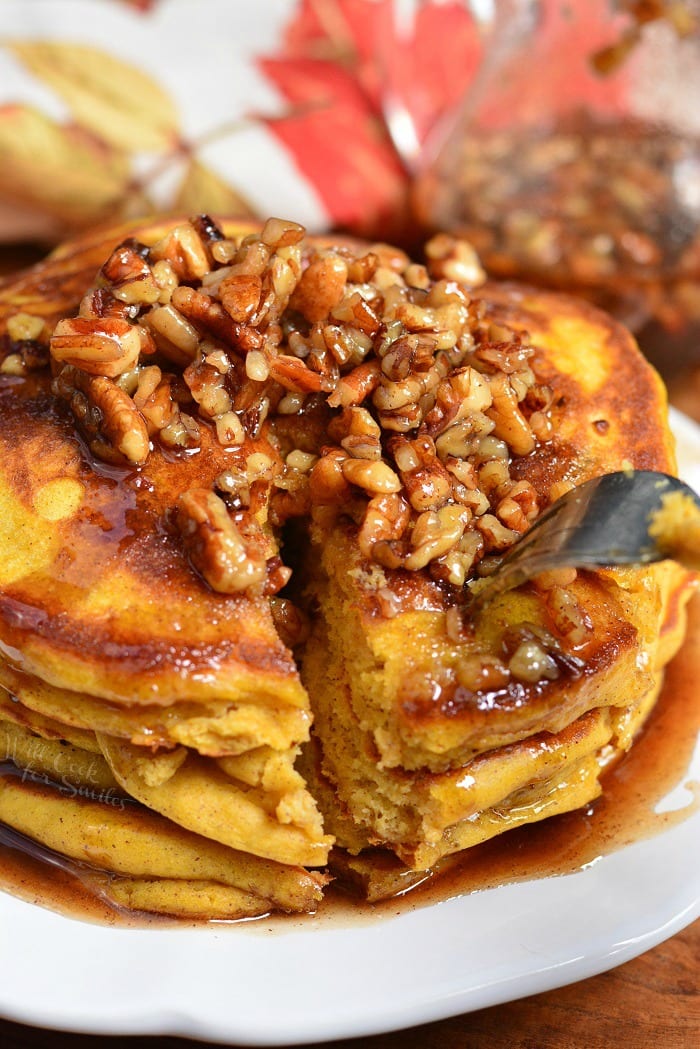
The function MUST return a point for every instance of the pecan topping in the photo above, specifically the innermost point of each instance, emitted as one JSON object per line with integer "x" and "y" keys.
{"x": 215, "y": 545}
{"x": 379, "y": 385}
{"x": 108, "y": 346}
{"x": 115, "y": 428}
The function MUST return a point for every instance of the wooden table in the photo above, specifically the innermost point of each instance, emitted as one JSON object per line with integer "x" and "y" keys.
{"x": 652, "y": 1002}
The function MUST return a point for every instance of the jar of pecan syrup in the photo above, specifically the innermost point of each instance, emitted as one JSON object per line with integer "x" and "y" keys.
{"x": 573, "y": 161}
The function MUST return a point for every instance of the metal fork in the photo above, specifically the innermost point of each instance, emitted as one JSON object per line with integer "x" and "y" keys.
{"x": 603, "y": 522}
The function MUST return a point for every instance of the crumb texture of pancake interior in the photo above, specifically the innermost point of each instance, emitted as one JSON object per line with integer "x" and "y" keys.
{"x": 247, "y": 478}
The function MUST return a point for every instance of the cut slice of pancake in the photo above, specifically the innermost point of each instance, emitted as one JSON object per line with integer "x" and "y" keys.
{"x": 223, "y": 407}
{"x": 52, "y": 773}
{"x": 265, "y": 822}
{"x": 454, "y": 799}
{"x": 410, "y": 753}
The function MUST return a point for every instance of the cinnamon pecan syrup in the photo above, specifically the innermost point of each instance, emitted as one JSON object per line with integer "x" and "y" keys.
{"x": 625, "y": 813}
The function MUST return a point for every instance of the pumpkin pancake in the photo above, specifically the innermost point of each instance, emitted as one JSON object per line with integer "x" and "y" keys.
{"x": 247, "y": 480}
{"x": 96, "y": 593}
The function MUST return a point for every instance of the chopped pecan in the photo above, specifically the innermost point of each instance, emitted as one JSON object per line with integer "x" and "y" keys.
{"x": 205, "y": 313}
{"x": 207, "y": 230}
{"x": 358, "y": 384}
{"x": 182, "y": 247}
{"x": 296, "y": 376}
{"x": 114, "y": 427}
{"x": 386, "y": 519}
{"x": 321, "y": 287}
{"x": 174, "y": 336}
{"x": 510, "y": 423}
{"x": 129, "y": 275}
{"x": 240, "y": 295}
{"x": 291, "y": 623}
{"x": 215, "y": 545}
{"x": 105, "y": 346}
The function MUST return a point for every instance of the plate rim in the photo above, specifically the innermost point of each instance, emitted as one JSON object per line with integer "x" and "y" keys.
{"x": 569, "y": 963}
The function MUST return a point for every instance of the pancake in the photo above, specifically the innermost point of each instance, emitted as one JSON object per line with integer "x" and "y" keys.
{"x": 247, "y": 480}
{"x": 414, "y": 754}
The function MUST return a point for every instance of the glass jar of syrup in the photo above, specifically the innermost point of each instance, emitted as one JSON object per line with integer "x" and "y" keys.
{"x": 574, "y": 160}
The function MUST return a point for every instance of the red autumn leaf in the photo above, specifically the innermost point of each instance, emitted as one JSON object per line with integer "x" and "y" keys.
{"x": 342, "y": 62}
{"x": 338, "y": 143}
{"x": 431, "y": 71}
{"x": 345, "y": 33}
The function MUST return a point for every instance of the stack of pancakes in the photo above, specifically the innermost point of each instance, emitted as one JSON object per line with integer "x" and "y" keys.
{"x": 155, "y": 723}
{"x": 159, "y": 731}
{"x": 410, "y": 752}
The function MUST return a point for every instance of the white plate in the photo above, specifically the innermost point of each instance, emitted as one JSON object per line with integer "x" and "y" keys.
{"x": 307, "y": 981}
